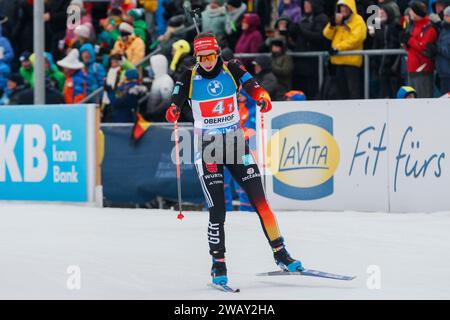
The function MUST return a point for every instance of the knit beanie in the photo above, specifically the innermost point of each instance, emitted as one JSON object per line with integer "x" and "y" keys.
{"x": 447, "y": 11}
{"x": 235, "y": 3}
{"x": 405, "y": 91}
{"x": 136, "y": 14}
{"x": 176, "y": 21}
{"x": 125, "y": 27}
{"x": 219, "y": 2}
{"x": 83, "y": 31}
{"x": 419, "y": 8}
{"x": 132, "y": 74}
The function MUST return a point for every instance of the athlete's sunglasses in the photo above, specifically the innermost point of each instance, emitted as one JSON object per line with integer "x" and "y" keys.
{"x": 210, "y": 57}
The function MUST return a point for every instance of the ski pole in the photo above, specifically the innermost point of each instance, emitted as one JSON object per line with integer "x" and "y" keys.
{"x": 177, "y": 159}
{"x": 263, "y": 142}
{"x": 193, "y": 15}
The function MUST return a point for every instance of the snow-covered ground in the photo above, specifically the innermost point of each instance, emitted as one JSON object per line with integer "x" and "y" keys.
{"x": 149, "y": 254}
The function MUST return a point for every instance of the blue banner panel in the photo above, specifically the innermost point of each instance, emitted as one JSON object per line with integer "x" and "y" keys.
{"x": 138, "y": 173}
{"x": 43, "y": 153}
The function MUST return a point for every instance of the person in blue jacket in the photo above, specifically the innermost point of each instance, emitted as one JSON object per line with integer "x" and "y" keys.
{"x": 95, "y": 71}
{"x": 129, "y": 93}
{"x": 5, "y": 71}
{"x": 6, "y": 56}
{"x": 6, "y": 50}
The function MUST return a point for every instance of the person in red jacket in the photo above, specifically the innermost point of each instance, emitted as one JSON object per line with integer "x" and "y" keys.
{"x": 417, "y": 41}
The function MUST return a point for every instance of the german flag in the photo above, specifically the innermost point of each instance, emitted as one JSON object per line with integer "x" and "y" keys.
{"x": 140, "y": 127}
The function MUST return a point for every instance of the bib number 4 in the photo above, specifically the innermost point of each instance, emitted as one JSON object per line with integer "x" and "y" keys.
{"x": 218, "y": 108}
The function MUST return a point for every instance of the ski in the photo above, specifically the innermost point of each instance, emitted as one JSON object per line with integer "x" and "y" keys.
{"x": 309, "y": 273}
{"x": 224, "y": 287}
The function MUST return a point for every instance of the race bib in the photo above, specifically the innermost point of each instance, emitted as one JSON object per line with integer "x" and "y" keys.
{"x": 217, "y": 108}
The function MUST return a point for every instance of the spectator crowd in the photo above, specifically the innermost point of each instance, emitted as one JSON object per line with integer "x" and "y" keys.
{"x": 106, "y": 48}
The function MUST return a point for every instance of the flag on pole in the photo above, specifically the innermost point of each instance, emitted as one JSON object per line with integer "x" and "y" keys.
{"x": 140, "y": 127}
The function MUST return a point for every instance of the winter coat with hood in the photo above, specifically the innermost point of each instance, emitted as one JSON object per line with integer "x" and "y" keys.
{"x": 133, "y": 49}
{"x": 27, "y": 75}
{"x": 286, "y": 35}
{"x": 394, "y": 8}
{"x": 52, "y": 73}
{"x": 443, "y": 51}
{"x": 421, "y": 34}
{"x": 250, "y": 39}
{"x": 292, "y": 11}
{"x": 350, "y": 35}
{"x": 58, "y": 15}
{"x": 10, "y": 9}
{"x": 5, "y": 71}
{"x": 176, "y": 30}
{"x": 75, "y": 87}
{"x": 163, "y": 84}
{"x": 5, "y": 45}
{"x": 308, "y": 37}
{"x": 95, "y": 72}
{"x": 140, "y": 29}
{"x": 282, "y": 67}
{"x": 233, "y": 25}
{"x": 22, "y": 30}
{"x": 213, "y": 20}
{"x": 386, "y": 37}
{"x": 266, "y": 78}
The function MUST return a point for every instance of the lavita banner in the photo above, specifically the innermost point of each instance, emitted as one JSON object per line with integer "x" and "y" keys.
{"x": 365, "y": 155}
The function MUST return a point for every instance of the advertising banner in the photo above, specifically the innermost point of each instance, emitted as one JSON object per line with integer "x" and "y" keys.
{"x": 322, "y": 156}
{"x": 365, "y": 155}
{"x": 47, "y": 153}
{"x": 419, "y": 150}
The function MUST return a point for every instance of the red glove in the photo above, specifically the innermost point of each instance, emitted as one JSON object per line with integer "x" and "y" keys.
{"x": 265, "y": 103}
{"x": 173, "y": 113}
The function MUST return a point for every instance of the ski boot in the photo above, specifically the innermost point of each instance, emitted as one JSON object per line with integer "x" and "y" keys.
{"x": 285, "y": 261}
{"x": 219, "y": 271}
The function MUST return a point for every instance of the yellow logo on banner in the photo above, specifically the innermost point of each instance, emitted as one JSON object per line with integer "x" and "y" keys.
{"x": 303, "y": 155}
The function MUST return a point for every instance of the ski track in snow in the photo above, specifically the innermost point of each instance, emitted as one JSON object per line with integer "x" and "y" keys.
{"x": 149, "y": 254}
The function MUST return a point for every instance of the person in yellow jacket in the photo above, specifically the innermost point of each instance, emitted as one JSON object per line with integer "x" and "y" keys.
{"x": 347, "y": 31}
{"x": 149, "y": 5}
{"x": 129, "y": 45}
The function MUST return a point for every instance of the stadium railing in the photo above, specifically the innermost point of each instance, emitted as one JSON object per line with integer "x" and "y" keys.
{"x": 324, "y": 54}
{"x": 311, "y": 54}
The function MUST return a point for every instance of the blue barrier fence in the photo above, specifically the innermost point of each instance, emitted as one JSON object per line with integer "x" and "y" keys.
{"x": 139, "y": 173}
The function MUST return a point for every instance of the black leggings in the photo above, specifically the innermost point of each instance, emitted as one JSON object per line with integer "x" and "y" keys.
{"x": 245, "y": 171}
